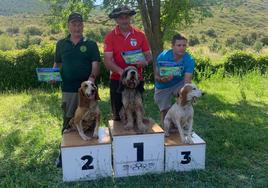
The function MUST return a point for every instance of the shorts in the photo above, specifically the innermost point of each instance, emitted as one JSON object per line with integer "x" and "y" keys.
{"x": 163, "y": 97}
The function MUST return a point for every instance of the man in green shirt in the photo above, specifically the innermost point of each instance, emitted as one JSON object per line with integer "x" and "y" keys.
{"x": 78, "y": 59}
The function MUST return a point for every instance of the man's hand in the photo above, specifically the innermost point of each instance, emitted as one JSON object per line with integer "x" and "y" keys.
{"x": 141, "y": 63}
{"x": 163, "y": 79}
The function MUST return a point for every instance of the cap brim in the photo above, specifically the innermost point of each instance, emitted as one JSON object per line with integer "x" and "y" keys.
{"x": 116, "y": 15}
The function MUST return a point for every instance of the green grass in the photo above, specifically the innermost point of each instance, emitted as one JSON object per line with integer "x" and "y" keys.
{"x": 232, "y": 117}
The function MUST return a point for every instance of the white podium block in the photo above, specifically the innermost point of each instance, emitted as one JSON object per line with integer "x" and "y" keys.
{"x": 85, "y": 160}
{"x": 136, "y": 153}
{"x": 184, "y": 157}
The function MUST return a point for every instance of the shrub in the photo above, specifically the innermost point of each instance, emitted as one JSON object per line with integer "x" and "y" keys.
{"x": 193, "y": 40}
{"x": 215, "y": 46}
{"x": 264, "y": 40}
{"x": 262, "y": 62}
{"x": 96, "y": 36}
{"x": 7, "y": 42}
{"x": 257, "y": 46}
{"x": 230, "y": 41}
{"x": 33, "y": 30}
{"x": 13, "y": 30}
{"x": 239, "y": 62}
{"x": 211, "y": 33}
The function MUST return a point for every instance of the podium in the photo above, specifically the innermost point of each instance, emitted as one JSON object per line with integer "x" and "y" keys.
{"x": 85, "y": 160}
{"x": 184, "y": 157}
{"x": 137, "y": 153}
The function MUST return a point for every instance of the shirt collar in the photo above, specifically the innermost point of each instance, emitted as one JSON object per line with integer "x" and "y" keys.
{"x": 83, "y": 39}
{"x": 118, "y": 32}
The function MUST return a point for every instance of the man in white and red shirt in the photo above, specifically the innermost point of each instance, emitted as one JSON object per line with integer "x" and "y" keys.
{"x": 123, "y": 38}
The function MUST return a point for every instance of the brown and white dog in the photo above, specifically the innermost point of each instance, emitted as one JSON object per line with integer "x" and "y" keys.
{"x": 87, "y": 114}
{"x": 181, "y": 113}
{"x": 132, "y": 110}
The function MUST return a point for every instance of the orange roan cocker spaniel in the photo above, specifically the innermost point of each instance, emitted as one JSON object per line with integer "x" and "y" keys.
{"x": 87, "y": 114}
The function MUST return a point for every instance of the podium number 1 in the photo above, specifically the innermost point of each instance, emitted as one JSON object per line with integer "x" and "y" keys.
{"x": 87, "y": 165}
{"x": 140, "y": 152}
{"x": 187, "y": 158}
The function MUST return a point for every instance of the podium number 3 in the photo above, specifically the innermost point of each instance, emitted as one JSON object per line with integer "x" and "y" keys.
{"x": 187, "y": 158}
{"x": 88, "y": 165}
{"x": 140, "y": 152}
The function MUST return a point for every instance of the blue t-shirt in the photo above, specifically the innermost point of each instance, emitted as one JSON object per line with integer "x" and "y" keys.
{"x": 186, "y": 63}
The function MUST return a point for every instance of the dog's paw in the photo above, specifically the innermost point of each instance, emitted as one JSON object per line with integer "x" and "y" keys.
{"x": 86, "y": 138}
{"x": 128, "y": 126}
{"x": 188, "y": 140}
{"x": 95, "y": 135}
{"x": 142, "y": 127}
{"x": 166, "y": 133}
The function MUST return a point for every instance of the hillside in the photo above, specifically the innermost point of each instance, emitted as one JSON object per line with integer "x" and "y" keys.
{"x": 12, "y": 7}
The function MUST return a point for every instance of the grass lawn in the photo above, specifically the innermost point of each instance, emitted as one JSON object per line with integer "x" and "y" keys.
{"x": 232, "y": 118}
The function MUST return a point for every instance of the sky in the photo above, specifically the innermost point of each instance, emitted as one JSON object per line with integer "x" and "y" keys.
{"x": 98, "y": 2}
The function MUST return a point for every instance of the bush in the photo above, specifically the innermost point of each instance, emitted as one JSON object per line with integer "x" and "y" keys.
{"x": 239, "y": 62}
{"x": 33, "y": 30}
{"x": 13, "y": 30}
{"x": 262, "y": 62}
{"x": 230, "y": 41}
{"x": 257, "y": 46}
{"x": 193, "y": 40}
{"x": 7, "y": 42}
{"x": 96, "y": 36}
{"x": 264, "y": 40}
{"x": 35, "y": 40}
{"x": 17, "y": 68}
{"x": 215, "y": 46}
{"x": 211, "y": 33}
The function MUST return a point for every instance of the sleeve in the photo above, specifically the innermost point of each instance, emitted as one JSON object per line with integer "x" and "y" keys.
{"x": 145, "y": 44}
{"x": 95, "y": 53}
{"x": 57, "y": 58}
{"x": 190, "y": 64}
{"x": 108, "y": 43}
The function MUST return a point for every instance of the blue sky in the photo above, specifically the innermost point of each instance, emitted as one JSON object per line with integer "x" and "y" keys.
{"x": 98, "y": 2}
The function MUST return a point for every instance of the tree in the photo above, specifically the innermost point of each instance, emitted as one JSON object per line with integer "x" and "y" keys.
{"x": 160, "y": 18}
{"x": 60, "y": 10}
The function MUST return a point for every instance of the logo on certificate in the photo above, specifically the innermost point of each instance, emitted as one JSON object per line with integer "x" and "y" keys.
{"x": 133, "y": 42}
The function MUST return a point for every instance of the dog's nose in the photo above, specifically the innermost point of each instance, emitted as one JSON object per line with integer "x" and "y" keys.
{"x": 132, "y": 73}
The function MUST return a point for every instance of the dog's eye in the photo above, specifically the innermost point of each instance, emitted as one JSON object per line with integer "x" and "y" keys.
{"x": 194, "y": 88}
{"x": 86, "y": 86}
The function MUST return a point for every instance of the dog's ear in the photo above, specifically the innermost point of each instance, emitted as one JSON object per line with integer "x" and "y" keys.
{"x": 124, "y": 75}
{"x": 183, "y": 94}
{"x": 121, "y": 87}
{"x": 140, "y": 87}
{"x": 82, "y": 97}
{"x": 97, "y": 97}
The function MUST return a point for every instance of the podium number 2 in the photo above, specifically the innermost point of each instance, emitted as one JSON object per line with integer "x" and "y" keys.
{"x": 140, "y": 152}
{"x": 187, "y": 158}
{"x": 88, "y": 165}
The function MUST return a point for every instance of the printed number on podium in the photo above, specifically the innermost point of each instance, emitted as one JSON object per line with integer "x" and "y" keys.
{"x": 187, "y": 158}
{"x": 139, "y": 146}
{"x": 87, "y": 165}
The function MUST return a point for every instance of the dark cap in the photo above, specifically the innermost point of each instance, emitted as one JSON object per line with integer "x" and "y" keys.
{"x": 75, "y": 16}
{"x": 124, "y": 10}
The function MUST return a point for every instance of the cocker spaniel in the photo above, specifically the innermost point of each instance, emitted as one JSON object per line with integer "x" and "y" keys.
{"x": 132, "y": 110}
{"x": 181, "y": 113}
{"x": 87, "y": 114}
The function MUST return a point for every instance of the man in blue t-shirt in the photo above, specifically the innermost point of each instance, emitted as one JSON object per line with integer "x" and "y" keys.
{"x": 166, "y": 86}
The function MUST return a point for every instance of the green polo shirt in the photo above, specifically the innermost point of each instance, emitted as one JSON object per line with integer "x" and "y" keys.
{"x": 76, "y": 61}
